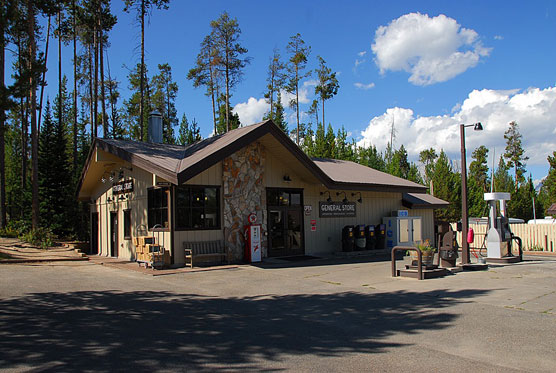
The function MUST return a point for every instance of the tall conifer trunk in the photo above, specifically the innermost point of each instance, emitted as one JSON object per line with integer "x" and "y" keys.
{"x": 91, "y": 96}
{"x": 44, "y": 75}
{"x": 102, "y": 93}
{"x": 95, "y": 93}
{"x": 142, "y": 77}
{"x": 33, "y": 108}
{"x": 74, "y": 130}
{"x": 2, "y": 120}
{"x": 60, "y": 67}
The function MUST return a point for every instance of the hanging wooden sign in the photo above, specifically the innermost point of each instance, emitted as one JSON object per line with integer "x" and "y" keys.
{"x": 122, "y": 187}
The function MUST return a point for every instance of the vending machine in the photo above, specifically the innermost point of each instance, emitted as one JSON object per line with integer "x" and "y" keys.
{"x": 253, "y": 240}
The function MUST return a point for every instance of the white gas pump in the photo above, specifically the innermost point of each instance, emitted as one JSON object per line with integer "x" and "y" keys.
{"x": 499, "y": 237}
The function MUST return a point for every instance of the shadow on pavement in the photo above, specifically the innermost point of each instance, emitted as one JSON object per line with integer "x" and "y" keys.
{"x": 107, "y": 331}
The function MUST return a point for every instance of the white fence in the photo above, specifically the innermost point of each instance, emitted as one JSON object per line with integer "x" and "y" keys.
{"x": 533, "y": 236}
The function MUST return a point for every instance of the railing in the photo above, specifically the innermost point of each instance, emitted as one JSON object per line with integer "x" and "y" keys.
{"x": 419, "y": 260}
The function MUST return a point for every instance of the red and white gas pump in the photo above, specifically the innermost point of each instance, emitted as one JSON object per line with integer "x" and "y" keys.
{"x": 253, "y": 240}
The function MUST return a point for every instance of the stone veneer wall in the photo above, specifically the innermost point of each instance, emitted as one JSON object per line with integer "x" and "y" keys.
{"x": 244, "y": 193}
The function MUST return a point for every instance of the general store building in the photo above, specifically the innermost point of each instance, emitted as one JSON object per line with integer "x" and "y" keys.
{"x": 206, "y": 191}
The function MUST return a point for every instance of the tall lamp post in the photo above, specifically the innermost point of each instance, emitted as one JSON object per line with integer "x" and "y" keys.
{"x": 464, "y": 208}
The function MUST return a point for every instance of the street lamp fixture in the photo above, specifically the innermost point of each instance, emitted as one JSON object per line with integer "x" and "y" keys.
{"x": 464, "y": 208}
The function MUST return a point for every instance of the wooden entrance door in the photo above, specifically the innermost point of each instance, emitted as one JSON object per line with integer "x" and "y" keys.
{"x": 285, "y": 222}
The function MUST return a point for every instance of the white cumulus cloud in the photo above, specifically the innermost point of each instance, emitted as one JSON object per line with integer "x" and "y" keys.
{"x": 251, "y": 111}
{"x": 534, "y": 110}
{"x": 363, "y": 85}
{"x": 432, "y": 50}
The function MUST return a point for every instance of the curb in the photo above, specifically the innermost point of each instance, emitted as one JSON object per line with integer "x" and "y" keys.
{"x": 20, "y": 261}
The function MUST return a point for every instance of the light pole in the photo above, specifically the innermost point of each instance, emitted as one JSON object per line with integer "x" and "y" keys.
{"x": 464, "y": 208}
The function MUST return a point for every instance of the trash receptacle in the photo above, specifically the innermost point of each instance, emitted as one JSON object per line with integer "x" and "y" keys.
{"x": 370, "y": 236}
{"x": 348, "y": 240}
{"x": 360, "y": 240}
{"x": 380, "y": 233}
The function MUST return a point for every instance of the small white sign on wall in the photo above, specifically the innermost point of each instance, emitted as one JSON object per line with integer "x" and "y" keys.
{"x": 308, "y": 209}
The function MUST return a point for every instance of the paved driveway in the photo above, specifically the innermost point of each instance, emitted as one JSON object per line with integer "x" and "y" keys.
{"x": 310, "y": 316}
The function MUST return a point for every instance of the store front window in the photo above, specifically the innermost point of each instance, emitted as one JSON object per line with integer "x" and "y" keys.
{"x": 197, "y": 207}
{"x": 158, "y": 207}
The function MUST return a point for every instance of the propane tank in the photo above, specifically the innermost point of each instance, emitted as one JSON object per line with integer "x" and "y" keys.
{"x": 470, "y": 235}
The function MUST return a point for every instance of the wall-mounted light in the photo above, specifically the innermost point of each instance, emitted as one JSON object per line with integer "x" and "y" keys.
{"x": 360, "y": 200}
{"x": 109, "y": 199}
{"x": 121, "y": 171}
{"x": 112, "y": 176}
{"x": 287, "y": 178}
{"x": 329, "y": 199}
{"x": 122, "y": 197}
{"x": 345, "y": 200}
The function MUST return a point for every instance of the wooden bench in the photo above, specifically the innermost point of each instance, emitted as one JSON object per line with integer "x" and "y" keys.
{"x": 195, "y": 251}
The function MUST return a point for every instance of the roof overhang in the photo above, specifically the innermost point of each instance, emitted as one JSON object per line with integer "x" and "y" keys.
{"x": 423, "y": 201}
{"x": 200, "y": 156}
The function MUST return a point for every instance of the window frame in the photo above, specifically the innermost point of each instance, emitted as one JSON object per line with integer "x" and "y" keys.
{"x": 177, "y": 208}
{"x": 127, "y": 224}
{"x": 166, "y": 192}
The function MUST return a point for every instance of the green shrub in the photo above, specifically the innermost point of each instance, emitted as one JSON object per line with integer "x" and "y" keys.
{"x": 41, "y": 237}
{"x": 15, "y": 228}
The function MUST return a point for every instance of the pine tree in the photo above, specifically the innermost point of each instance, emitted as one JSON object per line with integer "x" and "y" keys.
{"x": 319, "y": 147}
{"x": 327, "y": 86}
{"x": 226, "y": 121}
{"x": 514, "y": 153}
{"x": 206, "y": 74}
{"x": 275, "y": 81}
{"x": 330, "y": 143}
{"x": 503, "y": 182}
{"x": 478, "y": 182}
{"x": 143, "y": 7}
{"x": 370, "y": 157}
{"x": 521, "y": 204}
{"x": 299, "y": 53}
{"x": 225, "y": 34}
{"x": 277, "y": 116}
{"x": 188, "y": 134}
{"x": 55, "y": 179}
{"x": 447, "y": 186}
{"x": 549, "y": 183}
{"x": 164, "y": 99}
{"x": 134, "y": 121}
{"x": 308, "y": 145}
{"x": 344, "y": 150}
{"x": 427, "y": 158}
{"x": 399, "y": 166}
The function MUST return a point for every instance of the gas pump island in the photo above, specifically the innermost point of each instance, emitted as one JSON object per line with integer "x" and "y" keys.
{"x": 499, "y": 237}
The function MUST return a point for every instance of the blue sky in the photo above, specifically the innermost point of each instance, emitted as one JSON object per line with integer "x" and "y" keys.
{"x": 427, "y": 65}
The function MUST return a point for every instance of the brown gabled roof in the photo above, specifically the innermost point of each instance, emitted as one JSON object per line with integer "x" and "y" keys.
{"x": 552, "y": 209}
{"x": 423, "y": 201}
{"x": 351, "y": 175}
{"x": 178, "y": 164}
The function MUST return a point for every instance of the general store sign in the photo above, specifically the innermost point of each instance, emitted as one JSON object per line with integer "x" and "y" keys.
{"x": 122, "y": 187}
{"x": 336, "y": 209}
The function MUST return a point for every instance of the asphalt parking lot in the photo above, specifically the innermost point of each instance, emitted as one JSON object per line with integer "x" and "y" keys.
{"x": 318, "y": 315}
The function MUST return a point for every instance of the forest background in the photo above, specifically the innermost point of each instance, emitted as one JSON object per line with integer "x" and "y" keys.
{"x": 44, "y": 143}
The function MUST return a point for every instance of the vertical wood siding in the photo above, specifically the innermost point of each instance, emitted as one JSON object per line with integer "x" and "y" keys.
{"x": 327, "y": 238}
